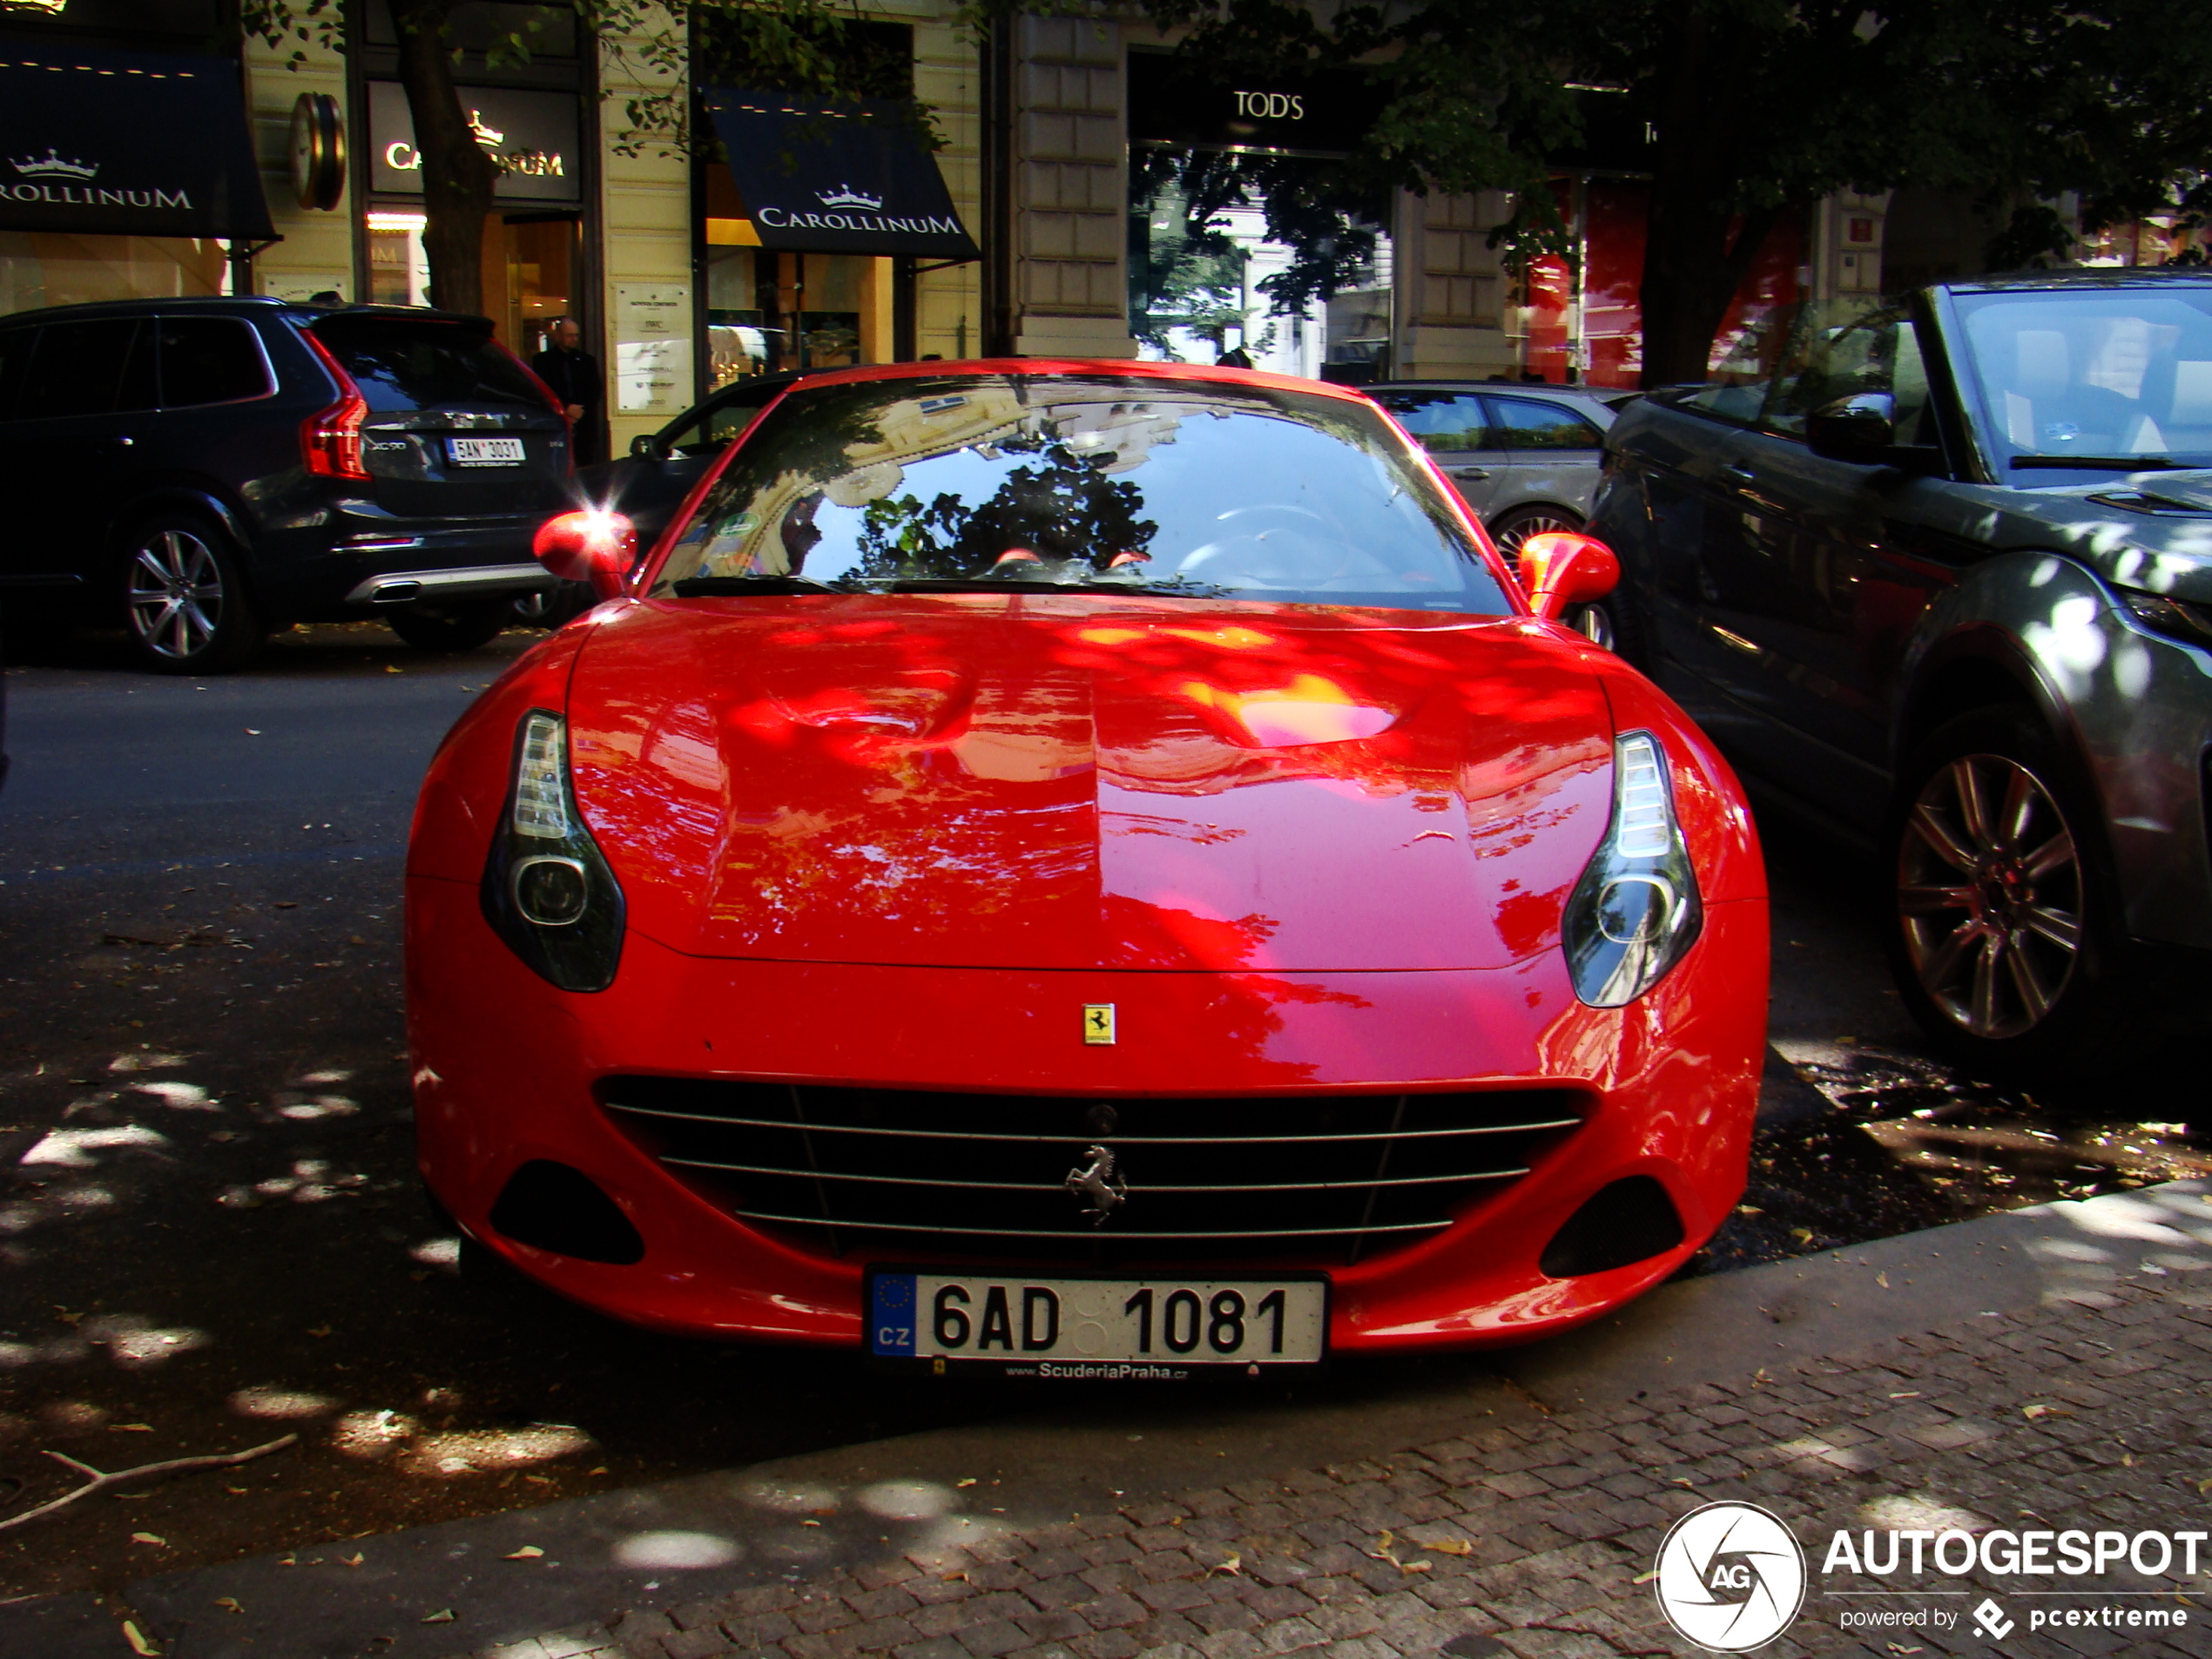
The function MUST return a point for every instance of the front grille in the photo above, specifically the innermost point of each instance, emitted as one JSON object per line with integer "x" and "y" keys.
{"x": 885, "y": 1169}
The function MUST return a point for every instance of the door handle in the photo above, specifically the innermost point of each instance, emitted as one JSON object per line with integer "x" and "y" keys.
{"x": 1472, "y": 474}
{"x": 1740, "y": 474}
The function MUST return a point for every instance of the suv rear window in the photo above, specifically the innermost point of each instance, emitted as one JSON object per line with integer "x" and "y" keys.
{"x": 401, "y": 364}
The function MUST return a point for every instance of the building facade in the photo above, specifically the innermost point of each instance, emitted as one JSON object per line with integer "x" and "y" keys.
{"x": 1089, "y": 195}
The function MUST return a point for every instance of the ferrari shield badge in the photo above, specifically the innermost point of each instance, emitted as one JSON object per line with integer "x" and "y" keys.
{"x": 1098, "y": 1022}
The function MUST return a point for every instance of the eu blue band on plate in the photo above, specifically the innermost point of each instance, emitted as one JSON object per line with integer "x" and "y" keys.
{"x": 891, "y": 1315}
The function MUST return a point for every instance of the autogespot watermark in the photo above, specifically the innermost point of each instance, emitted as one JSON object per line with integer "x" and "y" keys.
{"x": 1730, "y": 1578}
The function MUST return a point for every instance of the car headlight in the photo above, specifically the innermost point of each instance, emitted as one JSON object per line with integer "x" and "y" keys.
{"x": 547, "y": 890}
{"x": 1636, "y": 908}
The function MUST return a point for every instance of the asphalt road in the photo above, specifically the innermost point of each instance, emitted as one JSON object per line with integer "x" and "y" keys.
{"x": 211, "y": 1232}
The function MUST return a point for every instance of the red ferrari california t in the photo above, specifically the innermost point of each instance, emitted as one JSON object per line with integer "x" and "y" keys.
{"x": 1089, "y": 870}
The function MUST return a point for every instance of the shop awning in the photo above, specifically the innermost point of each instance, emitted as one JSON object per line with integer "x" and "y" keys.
{"x": 126, "y": 144}
{"x": 836, "y": 178}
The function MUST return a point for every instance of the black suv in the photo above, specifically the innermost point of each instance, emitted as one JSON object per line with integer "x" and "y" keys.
{"x": 208, "y": 471}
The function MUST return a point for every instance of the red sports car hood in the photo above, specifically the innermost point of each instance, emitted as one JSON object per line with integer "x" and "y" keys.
{"x": 1072, "y": 782}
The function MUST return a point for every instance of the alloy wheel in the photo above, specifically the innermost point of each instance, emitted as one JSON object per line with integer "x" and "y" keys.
{"x": 1989, "y": 894}
{"x": 176, "y": 595}
{"x": 1509, "y": 536}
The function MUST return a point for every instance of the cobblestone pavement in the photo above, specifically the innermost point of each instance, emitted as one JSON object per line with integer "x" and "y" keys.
{"x": 2094, "y": 1414}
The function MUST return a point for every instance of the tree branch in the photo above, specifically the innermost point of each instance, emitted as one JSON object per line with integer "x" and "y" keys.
{"x": 100, "y": 1481}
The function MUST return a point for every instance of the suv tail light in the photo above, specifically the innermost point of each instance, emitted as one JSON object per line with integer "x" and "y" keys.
{"x": 330, "y": 440}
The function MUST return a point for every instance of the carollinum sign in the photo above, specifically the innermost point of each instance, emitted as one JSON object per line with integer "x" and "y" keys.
{"x": 131, "y": 144}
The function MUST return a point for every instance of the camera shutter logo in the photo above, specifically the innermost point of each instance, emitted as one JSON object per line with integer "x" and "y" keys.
{"x": 1731, "y": 1577}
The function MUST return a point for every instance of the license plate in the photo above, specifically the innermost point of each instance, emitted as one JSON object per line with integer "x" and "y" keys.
{"x": 1070, "y": 1328}
{"x": 484, "y": 452}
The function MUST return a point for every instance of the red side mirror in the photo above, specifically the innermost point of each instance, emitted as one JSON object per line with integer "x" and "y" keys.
{"x": 597, "y": 547}
{"x": 1563, "y": 568}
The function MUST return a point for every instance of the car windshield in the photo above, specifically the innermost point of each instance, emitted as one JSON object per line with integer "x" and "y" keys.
{"x": 1156, "y": 486}
{"x": 2093, "y": 380}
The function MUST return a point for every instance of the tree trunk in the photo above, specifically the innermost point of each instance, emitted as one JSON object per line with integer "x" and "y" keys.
{"x": 1691, "y": 266}
{"x": 457, "y": 175}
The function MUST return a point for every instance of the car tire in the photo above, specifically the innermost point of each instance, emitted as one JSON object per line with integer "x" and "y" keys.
{"x": 551, "y": 607}
{"x": 2006, "y": 936}
{"x": 185, "y": 607}
{"x": 443, "y": 625}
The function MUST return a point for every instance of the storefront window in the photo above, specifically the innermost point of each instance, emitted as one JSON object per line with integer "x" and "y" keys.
{"x": 1209, "y": 282}
{"x": 399, "y": 271}
{"x": 769, "y": 312}
{"x": 50, "y": 268}
{"x": 1582, "y": 320}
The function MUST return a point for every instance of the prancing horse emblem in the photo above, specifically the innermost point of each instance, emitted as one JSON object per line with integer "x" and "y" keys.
{"x": 1098, "y": 1185}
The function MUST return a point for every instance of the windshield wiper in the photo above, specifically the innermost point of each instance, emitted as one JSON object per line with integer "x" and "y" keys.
{"x": 2107, "y": 463}
{"x": 695, "y": 587}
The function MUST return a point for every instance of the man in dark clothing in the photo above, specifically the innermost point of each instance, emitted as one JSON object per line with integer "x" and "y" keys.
{"x": 574, "y": 376}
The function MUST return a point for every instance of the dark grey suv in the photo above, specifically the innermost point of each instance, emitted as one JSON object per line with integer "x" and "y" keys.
{"x": 1943, "y": 575}
{"x": 206, "y": 471}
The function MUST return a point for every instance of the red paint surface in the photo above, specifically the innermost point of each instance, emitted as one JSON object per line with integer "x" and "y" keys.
{"x": 902, "y": 839}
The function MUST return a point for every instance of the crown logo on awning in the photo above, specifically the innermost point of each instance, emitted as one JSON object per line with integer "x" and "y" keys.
{"x": 845, "y": 196}
{"x": 51, "y": 165}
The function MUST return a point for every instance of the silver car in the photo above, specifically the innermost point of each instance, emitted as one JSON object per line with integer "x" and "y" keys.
{"x": 1524, "y": 456}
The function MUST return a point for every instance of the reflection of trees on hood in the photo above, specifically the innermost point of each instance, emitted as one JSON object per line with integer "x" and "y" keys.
{"x": 1065, "y": 507}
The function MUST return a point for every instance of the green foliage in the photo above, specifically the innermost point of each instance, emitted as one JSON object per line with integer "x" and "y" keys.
{"x": 1755, "y": 107}
{"x": 814, "y": 47}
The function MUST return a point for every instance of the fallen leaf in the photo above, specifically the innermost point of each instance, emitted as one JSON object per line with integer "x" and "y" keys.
{"x": 136, "y": 1637}
{"x": 252, "y": 731}
{"x": 130, "y": 1428}
{"x": 602, "y": 1469}
{"x": 956, "y": 1578}
{"x": 353, "y": 1560}
{"x": 1414, "y": 1567}
{"x": 1682, "y": 1480}
{"x": 318, "y": 1330}
{"x": 2204, "y": 1486}
{"x": 1910, "y": 1393}
{"x": 967, "y": 1482}
{"x": 1802, "y": 1235}
{"x": 148, "y": 1537}
{"x": 810, "y": 1521}
{"x": 1645, "y": 1578}
{"x": 230, "y": 1602}
{"x": 238, "y": 1492}
{"x": 444, "y": 1614}
{"x": 1451, "y": 1546}
{"x": 527, "y": 1553}
{"x": 1233, "y": 1565}
{"x": 393, "y": 668}
{"x": 1883, "y": 1279}
{"x": 2127, "y": 1460}
{"x": 2032, "y": 1413}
